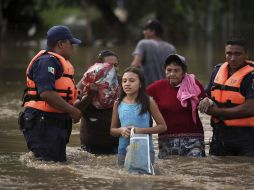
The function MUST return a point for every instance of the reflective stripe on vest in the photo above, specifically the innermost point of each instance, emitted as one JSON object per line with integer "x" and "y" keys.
{"x": 226, "y": 92}
{"x": 65, "y": 85}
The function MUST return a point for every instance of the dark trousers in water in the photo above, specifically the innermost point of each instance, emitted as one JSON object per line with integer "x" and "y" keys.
{"x": 46, "y": 138}
{"x": 232, "y": 141}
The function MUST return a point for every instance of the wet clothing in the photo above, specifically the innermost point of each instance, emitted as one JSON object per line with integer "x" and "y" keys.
{"x": 180, "y": 124}
{"x": 46, "y": 133}
{"x": 129, "y": 116}
{"x": 232, "y": 140}
{"x": 154, "y": 54}
{"x": 95, "y": 131}
{"x": 182, "y": 146}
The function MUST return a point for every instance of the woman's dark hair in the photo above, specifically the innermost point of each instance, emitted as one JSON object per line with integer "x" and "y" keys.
{"x": 142, "y": 97}
{"x": 105, "y": 53}
{"x": 176, "y": 62}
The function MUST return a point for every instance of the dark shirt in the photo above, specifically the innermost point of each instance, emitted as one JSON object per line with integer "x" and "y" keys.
{"x": 95, "y": 132}
{"x": 246, "y": 88}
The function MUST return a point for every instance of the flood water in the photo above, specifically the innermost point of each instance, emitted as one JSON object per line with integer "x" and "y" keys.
{"x": 19, "y": 170}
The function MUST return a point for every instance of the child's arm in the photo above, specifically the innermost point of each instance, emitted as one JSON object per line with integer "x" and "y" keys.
{"x": 160, "y": 126}
{"x": 115, "y": 130}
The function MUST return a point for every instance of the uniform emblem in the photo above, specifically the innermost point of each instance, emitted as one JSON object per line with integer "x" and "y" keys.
{"x": 232, "y": 81}
{"x": 51, "y": 70}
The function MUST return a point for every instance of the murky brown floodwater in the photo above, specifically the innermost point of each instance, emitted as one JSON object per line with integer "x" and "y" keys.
{"x": 19, "y": 170}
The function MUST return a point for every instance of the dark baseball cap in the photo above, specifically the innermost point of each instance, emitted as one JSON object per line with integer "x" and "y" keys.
{"x": 61, "y": 32}
{"x": 154, "y": 25}
{"x": 176, "y": 58}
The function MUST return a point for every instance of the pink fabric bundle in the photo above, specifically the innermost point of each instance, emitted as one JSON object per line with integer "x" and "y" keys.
{"x": 189, "y": 90}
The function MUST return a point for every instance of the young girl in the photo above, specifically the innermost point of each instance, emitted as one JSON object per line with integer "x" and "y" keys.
{"x": 133, "y": 110}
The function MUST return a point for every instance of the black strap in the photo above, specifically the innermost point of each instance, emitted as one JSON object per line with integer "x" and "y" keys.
{"x": 69, "y": 76}
{"x": 227, "y": 104}
{"x": 224, "y": 87}
{"x": 29, "y": 97}
{"x": 31, "y": 89}
{"x": 250, "y": 64}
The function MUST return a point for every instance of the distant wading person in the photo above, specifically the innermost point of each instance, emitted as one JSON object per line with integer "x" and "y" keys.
{"x": 151, "y": 52}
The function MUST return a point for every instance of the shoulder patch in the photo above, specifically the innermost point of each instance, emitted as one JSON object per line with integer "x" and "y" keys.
{"x": 51, "y": 70}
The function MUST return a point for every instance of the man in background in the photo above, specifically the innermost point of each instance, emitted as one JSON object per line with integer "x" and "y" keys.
{"x": 151, "y": 52}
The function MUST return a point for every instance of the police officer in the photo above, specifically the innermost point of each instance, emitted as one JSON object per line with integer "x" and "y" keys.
{"x": 231, "y": 103}
{"x": 48, "y": 99}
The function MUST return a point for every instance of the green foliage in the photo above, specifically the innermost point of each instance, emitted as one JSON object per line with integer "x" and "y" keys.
{"x": 92, "y": 13}
{"x": 57, "y": 15}
{"x": 183, "y": 19}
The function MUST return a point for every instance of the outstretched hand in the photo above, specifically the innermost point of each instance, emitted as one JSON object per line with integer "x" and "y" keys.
{"x": 204, "y": 105}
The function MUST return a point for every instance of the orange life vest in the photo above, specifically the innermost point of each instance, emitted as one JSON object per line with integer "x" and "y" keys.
{"x": 65, "y": 86}
{"x": 226, "y": 92}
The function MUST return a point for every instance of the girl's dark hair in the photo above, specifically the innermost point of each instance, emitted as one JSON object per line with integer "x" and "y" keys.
{"x": 105, "y": 53}
{"x": 142, "y": 97}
